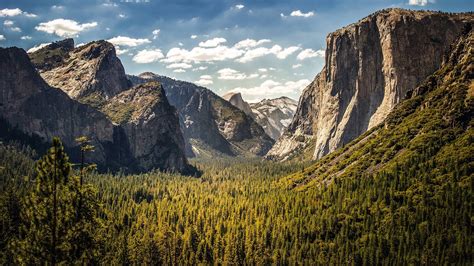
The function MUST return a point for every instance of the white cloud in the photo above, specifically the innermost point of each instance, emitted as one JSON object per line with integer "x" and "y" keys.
{"x": 193, "y": 36}
{"x": 309, "y": 53}
{"x": 200, "y": 68}
{"x": 15, "y": 29}
{"x": 2, "y": 38}
{"x": 127, "y": 41}
{"x": 420, "y": 2}
{"x": 232, "y": 74}
{"x": 298, "y": 13}
{"x": 279, "y": 52}
{"x": 57, "y": 7}
{"x": 249, "y": 43}
{"x": 212, "y": 42}
{"x": 204, "y": 80}
{"x": 271, "y": 87}
{"x": 37, "y": 47}
{"x": 7, "y": 12}
{"x": 8, "y": 23}
{"x": 258, "y": 52}
{"x": 148, "y": 56}
{"x": 296, "y": 66}
{"x": 286, "y": 52}
{"x": 239, "y": 6}
{"x": 179, "y": 70}
{"x": 64, "y": 27}
{"x": 200, "y": 54}
{"x": 179, "y": 65}
{"x": 155, "y": 33}
{"x": 121, "y": 15}
{"x": 262, "y": 70}
{"x": 120, "y": 51}
{"x": 12, "y": 12}
{"x": 26, "y": 37}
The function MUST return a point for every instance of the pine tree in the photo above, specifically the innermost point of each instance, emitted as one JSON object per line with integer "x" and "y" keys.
{"x": 57, "y": 228}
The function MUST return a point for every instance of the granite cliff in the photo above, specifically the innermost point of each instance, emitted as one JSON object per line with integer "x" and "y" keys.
{"x": 274, "y": 115}
{"x": 91, "y": 73}
{"x": 211, "y": 125}
{"x": 235, "y": 98}
{"x": 134, "y": 129}
{"x": 370, "y": 65}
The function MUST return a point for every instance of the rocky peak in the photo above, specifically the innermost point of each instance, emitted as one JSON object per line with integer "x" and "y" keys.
{"x": 211, "y": 125}
{"x": 52, "y": 55}
{"x": 235, "y": 98}
{"x": 151, "y": 126}
{"x": 91, "y": 73}
{"x": 136, "y": 104}
{"x": 148, "y": 75}
{"x": 274, "y": 115}
{"x": 370, "y": 65}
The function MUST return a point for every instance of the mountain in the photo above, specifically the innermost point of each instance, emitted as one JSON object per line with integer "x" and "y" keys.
{"x": 114, "y": 122}
{"x": 211, "y": 125}
{"x": 151, "y": 126}
{"x": 29, "y": 104}
{"x": 90, "y": 73}
{"x": 370, "y": 66}
{"x": 235, "y": 98}
{"x": 274, "y": 115}
{"x": 429, "y": 134}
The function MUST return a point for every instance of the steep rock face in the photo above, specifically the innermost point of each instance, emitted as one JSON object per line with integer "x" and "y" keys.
{"x": 431, "y": 127}
{"x": 29, "y": 104}
{"x": 235, "y": 98}
{"x": 91, "y": 73}
{"x": 370, "y": 65}
{"x": 151, "y": 126}
{"x": 141, "y": 133}
{"x": 274, "y": 115}
{"x": 211, "y": 125}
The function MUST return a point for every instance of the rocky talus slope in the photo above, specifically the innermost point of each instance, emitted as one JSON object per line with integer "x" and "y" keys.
{"x": 370, "y": 66}
{"x": 211, "y": 125}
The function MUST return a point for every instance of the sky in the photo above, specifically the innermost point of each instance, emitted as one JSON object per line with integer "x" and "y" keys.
{"x": 261, "y": 48}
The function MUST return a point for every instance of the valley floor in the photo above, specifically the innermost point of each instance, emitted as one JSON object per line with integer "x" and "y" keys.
{"x": 239, "y": 213}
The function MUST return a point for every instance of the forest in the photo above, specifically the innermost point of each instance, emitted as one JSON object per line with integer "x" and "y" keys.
{"x": 238, "y": 212}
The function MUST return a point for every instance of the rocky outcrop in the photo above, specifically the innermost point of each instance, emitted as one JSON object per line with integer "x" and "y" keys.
{"x": 235, "y": 98}
{"x": 91, "y": 73}
{"x": 274, "y": 115}
{"x": 147, "y": 138}
{"x": 28, "y": 103}
{"x": 151, "y": 126}
{"x": 211, "y": 125}
{"x": 370, "y": 66}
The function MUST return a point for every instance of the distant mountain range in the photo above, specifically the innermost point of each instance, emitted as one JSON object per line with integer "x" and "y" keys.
{"x": 211, "y": 125}
{"x": 274, "y": 115}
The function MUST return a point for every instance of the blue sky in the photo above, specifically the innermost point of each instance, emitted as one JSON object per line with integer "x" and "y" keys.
{"x": 262, "y": 48}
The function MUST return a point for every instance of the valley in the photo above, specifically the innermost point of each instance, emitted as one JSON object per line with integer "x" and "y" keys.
{"x": 372, "y": 165}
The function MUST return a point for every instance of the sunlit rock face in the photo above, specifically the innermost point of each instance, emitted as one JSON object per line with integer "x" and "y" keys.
{"x": 370, "y": 65}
